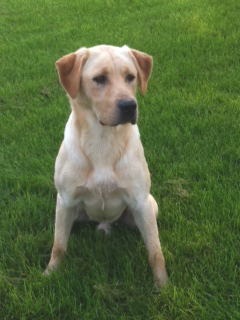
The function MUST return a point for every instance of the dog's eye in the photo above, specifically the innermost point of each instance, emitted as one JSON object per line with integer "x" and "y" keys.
{"x": 100, "y": 79}
{"x": 130, "y": 77}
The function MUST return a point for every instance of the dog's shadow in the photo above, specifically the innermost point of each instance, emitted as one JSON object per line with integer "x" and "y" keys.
{"x": 111, "y": 252}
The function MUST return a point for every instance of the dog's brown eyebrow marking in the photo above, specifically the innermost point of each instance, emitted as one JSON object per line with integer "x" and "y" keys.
{"x": 102, "y": 71}
{"x": 126, "y": 70}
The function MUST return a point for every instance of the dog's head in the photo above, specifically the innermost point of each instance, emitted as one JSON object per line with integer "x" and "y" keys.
{"x": 105, "y": 78}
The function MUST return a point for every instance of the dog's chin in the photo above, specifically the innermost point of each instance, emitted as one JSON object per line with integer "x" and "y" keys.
{"x": 117, "y": 124}
{"x": 121, "y": 122}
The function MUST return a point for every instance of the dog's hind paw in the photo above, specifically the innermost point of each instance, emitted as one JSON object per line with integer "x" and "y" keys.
{"x": 104, "y": 227}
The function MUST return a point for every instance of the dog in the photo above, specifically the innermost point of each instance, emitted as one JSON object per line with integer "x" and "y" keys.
{"x": 100, "y": 172}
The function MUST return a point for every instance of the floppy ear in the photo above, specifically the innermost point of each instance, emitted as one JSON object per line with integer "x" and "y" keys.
{"x": 69, "y": 71}
{"x": 143, "y": 64}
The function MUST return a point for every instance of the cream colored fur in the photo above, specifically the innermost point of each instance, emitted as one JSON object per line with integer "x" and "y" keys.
{"x": 100, "y": 169}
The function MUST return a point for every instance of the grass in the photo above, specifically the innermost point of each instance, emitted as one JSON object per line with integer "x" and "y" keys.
{"x": 189, "y": 124}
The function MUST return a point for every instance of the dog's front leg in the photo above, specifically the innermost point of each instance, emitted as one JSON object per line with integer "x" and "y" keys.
{"x": 145, "y": 217}
{"x": 65, "y": 217}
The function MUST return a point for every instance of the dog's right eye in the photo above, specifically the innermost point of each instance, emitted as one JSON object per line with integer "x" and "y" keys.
{"x": 100, "y": 79}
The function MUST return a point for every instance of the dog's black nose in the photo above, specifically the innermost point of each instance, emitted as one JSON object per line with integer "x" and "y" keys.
{"x": 127, "y": 106}
{"x": 127, "y": 111}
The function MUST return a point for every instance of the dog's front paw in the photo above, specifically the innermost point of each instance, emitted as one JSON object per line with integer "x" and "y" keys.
{"x": 48, "y": 271}
{"x": 161, "y": 281}
{"x": 104, "y": 227}
{"x": 51, "y": 268}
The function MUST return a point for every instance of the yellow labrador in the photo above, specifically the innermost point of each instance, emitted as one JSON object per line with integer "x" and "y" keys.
{"x": 100, "y": 170}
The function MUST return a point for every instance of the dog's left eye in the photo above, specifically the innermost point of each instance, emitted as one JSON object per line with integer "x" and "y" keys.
{"x": 130, "y": 77}
{"x": 100, "y": 79}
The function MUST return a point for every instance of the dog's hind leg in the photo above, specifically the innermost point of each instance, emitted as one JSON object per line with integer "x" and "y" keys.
{"x": 127, "y": 219}
{"x": 81, "y": 215}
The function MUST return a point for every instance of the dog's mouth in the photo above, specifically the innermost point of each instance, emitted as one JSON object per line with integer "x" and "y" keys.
{"x": 122, "y": 119}
{"x": 132, "y": 121}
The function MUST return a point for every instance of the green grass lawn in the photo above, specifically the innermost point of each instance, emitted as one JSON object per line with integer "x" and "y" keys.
{"x": 190, "y": 128}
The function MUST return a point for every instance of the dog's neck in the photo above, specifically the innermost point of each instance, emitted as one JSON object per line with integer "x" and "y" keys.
{"x": 95, "y": 140}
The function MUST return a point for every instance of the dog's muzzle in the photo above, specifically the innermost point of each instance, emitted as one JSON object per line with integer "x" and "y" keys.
{"x": 127, "y": 111}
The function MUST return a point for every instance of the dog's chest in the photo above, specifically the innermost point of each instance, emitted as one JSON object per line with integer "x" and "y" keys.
{"x": 102, "y": 197}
